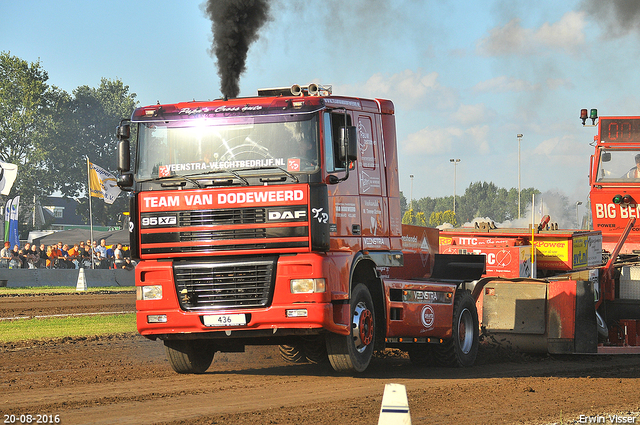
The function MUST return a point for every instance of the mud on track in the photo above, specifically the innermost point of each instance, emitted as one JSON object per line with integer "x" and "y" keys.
{"x": 125, "y": 379}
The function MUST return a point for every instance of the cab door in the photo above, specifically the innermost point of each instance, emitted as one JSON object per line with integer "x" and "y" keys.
{"x": 370, "y": 171}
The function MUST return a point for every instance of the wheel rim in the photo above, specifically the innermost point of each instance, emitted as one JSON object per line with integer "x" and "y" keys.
{"x": 465, "y": 331}
{"x": 362, "y": 327}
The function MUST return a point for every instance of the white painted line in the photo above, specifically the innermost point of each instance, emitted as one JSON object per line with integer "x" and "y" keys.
{"x": 394, "y": 409}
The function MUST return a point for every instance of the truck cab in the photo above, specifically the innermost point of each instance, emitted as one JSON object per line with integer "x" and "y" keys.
{"x": 276, "y": 219}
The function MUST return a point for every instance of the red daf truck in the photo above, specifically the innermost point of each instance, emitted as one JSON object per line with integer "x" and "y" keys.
{"x": 276, "y": 220}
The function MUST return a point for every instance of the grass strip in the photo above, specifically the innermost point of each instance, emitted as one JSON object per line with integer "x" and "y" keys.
{"x": 71, "y": 326}
{"x": 48, "y": 290}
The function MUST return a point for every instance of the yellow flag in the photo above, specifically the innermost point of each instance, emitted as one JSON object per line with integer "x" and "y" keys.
{"x": 102, "y": 184}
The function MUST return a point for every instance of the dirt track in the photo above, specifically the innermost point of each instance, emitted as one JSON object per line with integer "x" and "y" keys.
{"x": 125, "y": 379}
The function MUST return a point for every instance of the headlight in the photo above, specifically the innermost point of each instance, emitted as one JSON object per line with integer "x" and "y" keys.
{"x": 152, "y": 292}
{"x": 157, "y": 318}
{"x": 307, "y": 286}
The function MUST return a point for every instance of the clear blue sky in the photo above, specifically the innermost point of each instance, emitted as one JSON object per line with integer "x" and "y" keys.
{"x": 465, "y": 76}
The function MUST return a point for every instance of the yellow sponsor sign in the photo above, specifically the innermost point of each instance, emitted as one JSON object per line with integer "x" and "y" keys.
{"x": 580, "y": 252}
{"x": 445, "y": 240}
{"x": 552, "y": 252}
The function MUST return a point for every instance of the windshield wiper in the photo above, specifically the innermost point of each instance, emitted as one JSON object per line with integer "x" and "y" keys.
{"x": 193, "y": 178}
{"x": 232, "y": 172}
{"x": 190, "y": 180}
{"x": 170, "y": 184}
{"x": 293, "y": 177}
{"x": 239, "y": 177}
{"x": 246, "y": 183}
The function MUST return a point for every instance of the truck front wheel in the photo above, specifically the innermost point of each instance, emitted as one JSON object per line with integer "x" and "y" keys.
{"x": 353, "y": 352}
{"x": 191, "y": 356}
{"x": 461, "y": 350}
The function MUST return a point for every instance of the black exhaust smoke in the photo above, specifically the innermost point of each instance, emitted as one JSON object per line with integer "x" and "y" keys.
{"x": 618, "y": 17}
{"x": 235, "y": 25}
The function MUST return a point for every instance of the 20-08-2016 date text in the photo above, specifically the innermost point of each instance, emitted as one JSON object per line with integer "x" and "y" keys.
{"x": 31, "y": 419}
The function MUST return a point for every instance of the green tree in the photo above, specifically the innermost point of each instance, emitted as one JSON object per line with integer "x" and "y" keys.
{"x": 435, "y": 219}
{"x": 417, "y": 219}
{"x": 408, "y": 217}
{"x": 403, "y": 203}
{"x": 477, "y": 201}
{"x": 49, "y": 134}
{"x": 438, "y": 218}
{"x": 30, "y": 116}
{"x": 449, "y": 217}
{"x": 481, "y": 199}
{"x": 96, "y": 112}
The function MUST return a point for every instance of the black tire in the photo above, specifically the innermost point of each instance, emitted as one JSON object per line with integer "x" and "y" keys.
{"x": 421, "y": 355}
{"x": 462, "y": 349}
{"x": 315, "y": 349}
{"x": 191, "y": 356}
{"x": 353, "y": 352}
{"x": 309, "y": 349}
{"x": 293, "y": 353}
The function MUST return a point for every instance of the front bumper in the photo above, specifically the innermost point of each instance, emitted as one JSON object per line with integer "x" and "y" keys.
{"x": 271, "y": 321}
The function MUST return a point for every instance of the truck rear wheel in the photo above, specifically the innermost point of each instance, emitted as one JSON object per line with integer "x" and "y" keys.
{"x": 192, "y": 356}
{"x": 461, "y": 350}
{"x": 353, "y": 352}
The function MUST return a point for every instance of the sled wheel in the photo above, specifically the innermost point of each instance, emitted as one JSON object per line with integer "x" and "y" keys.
{"x": 315, "y": 349}
{"x": 191, "y": 356}
{"x": 461, "y": 350}
{"x": 353, "y": 352}
{"x": 292, "y": 353}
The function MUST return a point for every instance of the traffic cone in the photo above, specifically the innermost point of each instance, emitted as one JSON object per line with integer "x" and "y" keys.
{"x": 395, "y": 406}
{"x": 82, "y": 281}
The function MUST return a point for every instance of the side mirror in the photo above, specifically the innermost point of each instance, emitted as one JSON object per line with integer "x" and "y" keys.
{"x": 123, "y": 132}
{"x": 125, "y": 181}
{"x": 348, "y": 144}
{"x": 347, "y": 151}
{"x": 124, "y": 156}
{"x": 606, "y": 156}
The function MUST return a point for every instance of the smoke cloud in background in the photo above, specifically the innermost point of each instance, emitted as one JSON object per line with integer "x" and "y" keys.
{"x": 619, "y": 17}
{"x": 235, "y": 25}
{"x": 552, "y": 203}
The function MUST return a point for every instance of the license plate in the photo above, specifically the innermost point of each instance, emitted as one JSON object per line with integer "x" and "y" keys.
{"x": 225, "y": 320}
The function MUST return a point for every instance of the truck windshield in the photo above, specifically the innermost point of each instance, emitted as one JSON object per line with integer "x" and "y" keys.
{"x": 619, "y": 166}
{"x": 201, "y": 146}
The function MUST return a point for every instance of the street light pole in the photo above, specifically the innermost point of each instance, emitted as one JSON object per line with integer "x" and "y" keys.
{"x": 519, "y": 136}
{"x": 577, "y": 219}
{"x": 455, "y": 166}
{"x": 411, "y": 195}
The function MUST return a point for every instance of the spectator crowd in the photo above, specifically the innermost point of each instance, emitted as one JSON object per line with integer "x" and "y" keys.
{"x": 61, "y": 256}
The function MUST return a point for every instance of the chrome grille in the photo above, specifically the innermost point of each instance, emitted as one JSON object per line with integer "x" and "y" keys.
{"x": 224, "y": 284}
{"x": 221, "y": 217}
